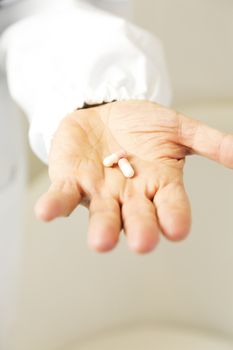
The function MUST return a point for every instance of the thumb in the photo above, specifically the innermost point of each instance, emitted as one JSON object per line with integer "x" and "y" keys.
{"x": 206, "y": 141}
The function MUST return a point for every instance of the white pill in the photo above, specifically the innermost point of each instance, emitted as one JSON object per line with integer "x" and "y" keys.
{"x": 113, "y": 158}
{"x": 126, "y": 167}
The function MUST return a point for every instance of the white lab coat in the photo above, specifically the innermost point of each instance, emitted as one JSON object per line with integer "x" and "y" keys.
{"x": 74, "y": 54}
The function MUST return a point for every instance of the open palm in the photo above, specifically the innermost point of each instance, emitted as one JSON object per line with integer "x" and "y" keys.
{"x": 157, "y": 139}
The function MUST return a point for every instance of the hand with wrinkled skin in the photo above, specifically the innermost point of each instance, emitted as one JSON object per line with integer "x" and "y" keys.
{"x": 157, "y": 140}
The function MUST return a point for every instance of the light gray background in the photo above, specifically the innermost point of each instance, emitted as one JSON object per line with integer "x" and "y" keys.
{"x": 198, "y": 39}
{"x": 68, "y": 291}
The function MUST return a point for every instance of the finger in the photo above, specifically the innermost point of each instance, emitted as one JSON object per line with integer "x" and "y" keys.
{"x": 173, "y": 211}
{"x": 104, "y": 223}
{"x": 140, "y": 224}
{"x": 206, "y": 141}
{"x": 60, "y": 200}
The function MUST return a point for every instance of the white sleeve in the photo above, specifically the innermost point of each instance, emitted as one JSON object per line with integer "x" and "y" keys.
{"x": 56, "y": 62}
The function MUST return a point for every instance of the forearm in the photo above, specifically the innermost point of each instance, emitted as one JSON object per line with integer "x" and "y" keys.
{"x": 59, "y": 61}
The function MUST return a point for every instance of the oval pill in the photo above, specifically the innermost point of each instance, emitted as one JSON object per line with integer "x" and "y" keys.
{"x": 110, "y": 160}
{"x": 126, "y": 168}
{"x": 113, "y": 158}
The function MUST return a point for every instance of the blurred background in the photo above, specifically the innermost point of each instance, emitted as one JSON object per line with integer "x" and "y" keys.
{"x": 197, "y": 36}
{"x": 68, "y": 292}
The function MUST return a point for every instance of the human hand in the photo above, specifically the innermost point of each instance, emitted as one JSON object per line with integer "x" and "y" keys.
{"x": 157, "y": 140}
